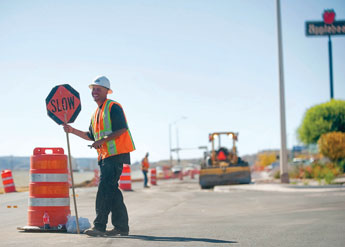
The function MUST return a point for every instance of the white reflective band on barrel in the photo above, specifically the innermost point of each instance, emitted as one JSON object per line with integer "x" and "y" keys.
{"x": 125, "y": 182}
{"x": 126, "y": 174}
{"x": 8, "y": 185}
{"x": 46, "y": 202}
{"x": 48, "y": 177}
{"x": 5, "y": 179}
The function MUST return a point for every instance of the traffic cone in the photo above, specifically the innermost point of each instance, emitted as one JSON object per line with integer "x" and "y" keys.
{"x": 95, "y": 180}
{"x": 7, "y": 181}
{"x": 153, "y": 176}
{"x": 192, "y": 174}
{"x": 69, "y": 179}
{"x": 48, "y": 188}
{"x": 181, "y": 175}
{"x": 125, "y": 182}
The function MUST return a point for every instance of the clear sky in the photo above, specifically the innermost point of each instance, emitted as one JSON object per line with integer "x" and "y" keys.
{"x": 214, "y": 62}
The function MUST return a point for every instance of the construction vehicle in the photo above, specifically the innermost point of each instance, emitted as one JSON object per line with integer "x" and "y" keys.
{"x": 222, "y": 166}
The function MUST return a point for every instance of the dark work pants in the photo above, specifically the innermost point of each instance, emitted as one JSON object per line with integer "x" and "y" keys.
{"x": 109, "y": 197}
{"x": 145, "y": 178}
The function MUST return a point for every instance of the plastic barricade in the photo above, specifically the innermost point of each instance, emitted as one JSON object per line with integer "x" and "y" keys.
{"x": 125, "y": 182}
{"x": 49, "y": 187}
{"x": 7, "y": 181}
{"x": 153, "y": 177}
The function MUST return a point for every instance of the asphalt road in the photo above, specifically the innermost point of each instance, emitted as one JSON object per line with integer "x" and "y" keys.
{"x": 178, "y": 213}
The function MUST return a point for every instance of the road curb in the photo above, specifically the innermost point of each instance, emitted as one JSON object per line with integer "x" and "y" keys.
{"x": 280, "y": 188}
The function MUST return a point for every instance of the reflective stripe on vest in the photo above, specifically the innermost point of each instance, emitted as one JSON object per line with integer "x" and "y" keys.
{"x": 48, "y": 202}
{"x": 101, "y": 125}
{"x": 48, "y": 177}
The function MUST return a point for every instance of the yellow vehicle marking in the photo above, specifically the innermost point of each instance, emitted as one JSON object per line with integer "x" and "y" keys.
{"x": 220, "y": 171}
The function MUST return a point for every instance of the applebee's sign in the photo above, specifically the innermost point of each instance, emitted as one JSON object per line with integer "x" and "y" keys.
{"x": 326, "y": 27}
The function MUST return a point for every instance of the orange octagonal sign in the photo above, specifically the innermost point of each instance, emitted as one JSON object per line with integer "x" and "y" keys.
{"x": 63, "y": 104}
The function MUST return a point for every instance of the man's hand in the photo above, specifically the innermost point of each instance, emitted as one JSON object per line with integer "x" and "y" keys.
{"x": 67, "y": 128}
{"x": 98, "y": 144}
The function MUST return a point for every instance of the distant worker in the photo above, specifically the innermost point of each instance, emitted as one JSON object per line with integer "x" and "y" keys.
{"x": 113, "y": 141}
{"x": 145, "y": 165}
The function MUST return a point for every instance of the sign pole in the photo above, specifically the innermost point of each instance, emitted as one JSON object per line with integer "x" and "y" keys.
{"x": 71, "y": 171}
{"x": 330, "y": 65}
{"x": 328, "y": 27}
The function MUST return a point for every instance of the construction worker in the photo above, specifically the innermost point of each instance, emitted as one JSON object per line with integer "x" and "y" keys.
{"x": 112, "y": 139}
{"x": 145, "y": 165}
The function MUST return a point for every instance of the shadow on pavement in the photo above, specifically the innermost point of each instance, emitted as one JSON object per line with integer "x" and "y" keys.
{"x": 175, "y": 239}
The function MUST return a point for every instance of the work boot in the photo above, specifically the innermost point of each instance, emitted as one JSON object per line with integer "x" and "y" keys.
{"x": 93, "y": 232}
{"x": 116, "y": 231}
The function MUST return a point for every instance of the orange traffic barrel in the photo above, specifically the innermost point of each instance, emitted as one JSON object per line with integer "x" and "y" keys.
{"x": 125, "y": 182}
{"x": 48, "y": 188}
{"x": 69, "y": 178}
{"x": 95, "y": 180}
{"x": 7, "y": 181}
{"x": 153, "y": 176}
{"x": 167, "y": 173}
{"x": 192, "y": 173}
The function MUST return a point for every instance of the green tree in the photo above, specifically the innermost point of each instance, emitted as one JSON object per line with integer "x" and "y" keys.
{"x": 321, "y": 119}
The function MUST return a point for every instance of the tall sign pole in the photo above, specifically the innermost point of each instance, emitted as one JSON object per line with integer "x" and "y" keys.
{"x": 284, "y": 176}
{"x": 330, "y": 65}
{"x": 63, "y": 106}
{"x": 327, "y": 27}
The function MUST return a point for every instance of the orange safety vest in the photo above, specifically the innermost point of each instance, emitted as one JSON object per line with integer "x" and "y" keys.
{"x": 145, "y": 164}
{"x": 102, "y": 127}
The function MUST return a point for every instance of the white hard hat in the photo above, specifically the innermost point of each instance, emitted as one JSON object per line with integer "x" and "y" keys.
{"x": 102, "y": 81}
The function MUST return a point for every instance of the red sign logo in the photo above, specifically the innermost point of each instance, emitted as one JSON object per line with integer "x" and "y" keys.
{"x": 63, "y": 104}
{"x": 328, "y": 16}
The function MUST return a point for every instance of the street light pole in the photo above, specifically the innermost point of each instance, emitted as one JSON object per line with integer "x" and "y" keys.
{"x": 177, "y": 140}
{"x": 170, "y": 144}
{"x": 284, "y": 176}
{"x": 177, "y": 147}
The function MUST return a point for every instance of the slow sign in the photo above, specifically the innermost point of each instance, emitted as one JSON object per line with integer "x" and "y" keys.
{"x": 63, "y": 104}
